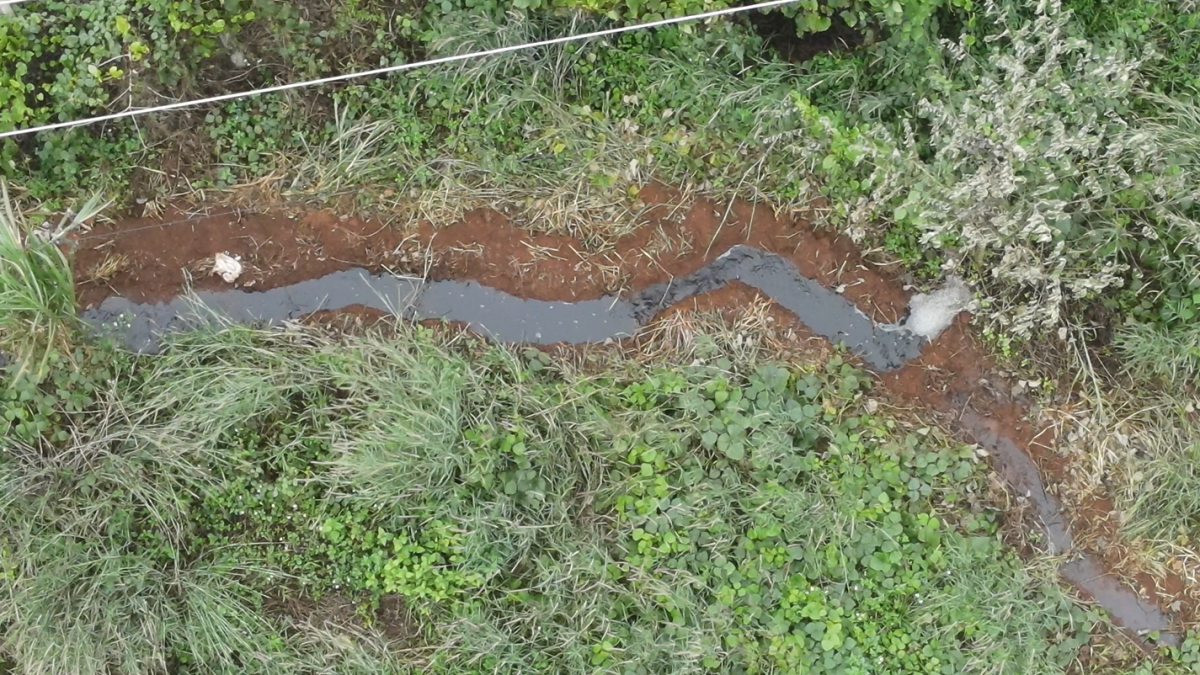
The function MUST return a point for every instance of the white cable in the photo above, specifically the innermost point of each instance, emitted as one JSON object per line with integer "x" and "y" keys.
{"x": 397, "y": 68}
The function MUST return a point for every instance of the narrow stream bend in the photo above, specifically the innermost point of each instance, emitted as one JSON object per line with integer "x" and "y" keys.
{"x": 1014, "y": 465}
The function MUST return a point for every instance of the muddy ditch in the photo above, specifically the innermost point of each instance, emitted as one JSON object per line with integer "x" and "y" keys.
{"x": 510, "y": 318}
{"x": 514, "y": 285}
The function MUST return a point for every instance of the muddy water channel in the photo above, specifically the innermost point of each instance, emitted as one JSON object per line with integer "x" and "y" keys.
{"x": 1128, "y": 608}
{"x": 509, "y": 318}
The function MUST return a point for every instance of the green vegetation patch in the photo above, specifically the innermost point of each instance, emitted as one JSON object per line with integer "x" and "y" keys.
{"x": 727, "y": 516}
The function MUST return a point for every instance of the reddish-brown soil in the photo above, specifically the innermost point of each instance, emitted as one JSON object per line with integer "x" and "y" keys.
{"x": 148, "y": 262}
{"x": 348, "y": 319}
{"x": 730, "y": 303}
{"x": 144, "y": 261}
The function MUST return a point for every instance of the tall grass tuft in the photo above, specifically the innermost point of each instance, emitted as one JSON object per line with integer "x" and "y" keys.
{"x": 75, "y": 608}
{"x": 98, "y": 567}
{"x": 37, "y": 292}
{"x": 403, "y": 407}
{"x": 1170, "y": 356}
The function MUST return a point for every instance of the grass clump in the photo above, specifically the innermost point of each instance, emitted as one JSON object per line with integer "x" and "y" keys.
{"x": 1169, "y": 357}
{"x": 99, "y": 561}
{"x": 1153, "y": 449}
{"x": 480, "y": 510}
{"x": 37, "y": 291}
{"x": 91, "y": 533}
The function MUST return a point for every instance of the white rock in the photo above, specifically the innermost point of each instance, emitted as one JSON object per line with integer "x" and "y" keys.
{"x": 932, "y": 313}
{"x": 228, "y": 267}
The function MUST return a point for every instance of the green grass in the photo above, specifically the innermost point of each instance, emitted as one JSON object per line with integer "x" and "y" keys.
{"x": 1168, "y": 357}
{"x": 137, "y": 51}
{"x": 93, "y": 519}
{"x": 1169, "y": 27}
{"x": 37, "y": 292}
{"x": 1164, "y": 505}
{"x": 529, "y": 514}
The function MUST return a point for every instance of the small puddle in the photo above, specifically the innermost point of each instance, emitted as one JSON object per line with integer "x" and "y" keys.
{"x": 508, "y": 318}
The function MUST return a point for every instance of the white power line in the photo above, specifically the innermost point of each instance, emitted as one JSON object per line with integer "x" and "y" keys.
{"x": 393, "y": 69}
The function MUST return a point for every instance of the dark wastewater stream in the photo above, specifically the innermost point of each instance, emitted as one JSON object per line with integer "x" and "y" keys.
{"x": 508, "y": 318}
